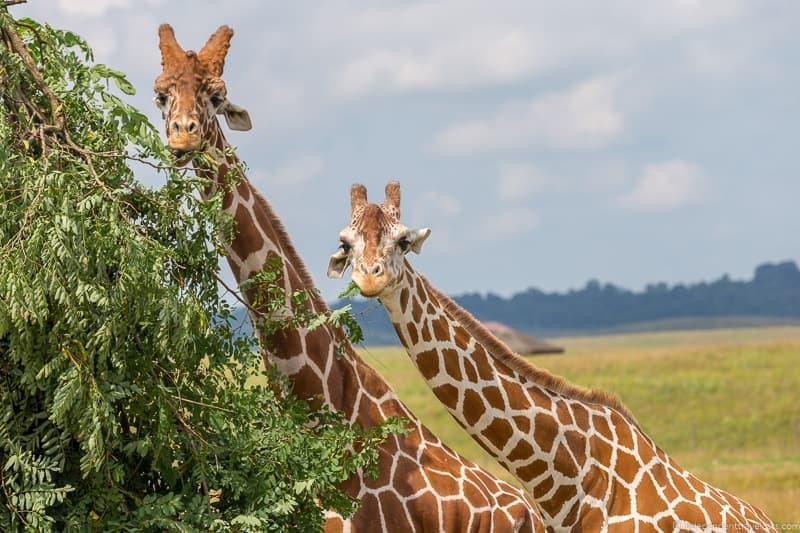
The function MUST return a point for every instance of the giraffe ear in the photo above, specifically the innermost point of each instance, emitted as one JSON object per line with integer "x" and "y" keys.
{"x": 337, "y": 264}
{"x": 417, "y": 238}
{"x": 237, "y": 117}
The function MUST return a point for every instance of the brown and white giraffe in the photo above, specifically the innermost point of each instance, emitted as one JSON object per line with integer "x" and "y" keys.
{"x": 581, "y": 454}
{"x": 422, "y": 484}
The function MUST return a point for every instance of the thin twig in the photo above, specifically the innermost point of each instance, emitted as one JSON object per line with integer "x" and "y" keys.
{"x": 179, "y": 417}
{"x": 201, "y": 404}
{"x": 142, "y": 160}
{"x": 9, "y": 3}
{"x": 236, "y": 295}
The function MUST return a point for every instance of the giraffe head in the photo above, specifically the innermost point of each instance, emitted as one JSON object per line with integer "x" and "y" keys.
{"x": 190, "y": 91}
{"x": 375, "y": 242}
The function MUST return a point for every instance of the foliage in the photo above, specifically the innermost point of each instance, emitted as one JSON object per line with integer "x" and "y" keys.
{"x": 343, "y": 316}
{"x": 123, "y": 397}
{"x": 270, "y": 306}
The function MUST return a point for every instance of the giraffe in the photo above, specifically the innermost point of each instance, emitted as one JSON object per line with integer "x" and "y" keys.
{"x": 580, "y": 453}
{"x": 422, "y": 484}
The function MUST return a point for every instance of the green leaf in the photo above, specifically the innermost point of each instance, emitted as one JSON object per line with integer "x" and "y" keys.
{"x": 126, "y": 400}
{"x": 349, "y": 292}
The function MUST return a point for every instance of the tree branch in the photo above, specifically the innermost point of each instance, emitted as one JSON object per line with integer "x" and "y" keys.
{"x": 236, "y": 295}
{"x": 19, "y": 47}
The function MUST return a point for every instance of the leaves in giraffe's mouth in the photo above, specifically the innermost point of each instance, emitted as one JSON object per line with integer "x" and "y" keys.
{"x": 350, "y": 292}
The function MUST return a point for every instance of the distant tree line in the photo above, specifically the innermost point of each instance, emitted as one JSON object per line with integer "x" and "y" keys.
{"x": 774, "y": 291}
{"x": 772, "y": 296}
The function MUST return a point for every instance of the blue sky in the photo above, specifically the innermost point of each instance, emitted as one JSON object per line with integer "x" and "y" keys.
{"x": 545, "y": 143}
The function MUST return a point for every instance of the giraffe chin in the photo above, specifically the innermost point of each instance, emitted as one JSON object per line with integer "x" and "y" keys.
{"x": 183, "y": 144}
{"x": 183, "y": 154}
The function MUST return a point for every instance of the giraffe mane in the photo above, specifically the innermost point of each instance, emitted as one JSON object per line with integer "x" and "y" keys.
{"x": 288, "y": 247}
{"x": 500, "y": 351}
{"x": 291, "y": 252}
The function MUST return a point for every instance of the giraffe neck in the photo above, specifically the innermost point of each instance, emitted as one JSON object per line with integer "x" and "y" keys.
{"x": 321, "y": 363}
{"x": 420, "y": 480}
{"x": 580, "y": 455}
{"x": 530, "y": 429}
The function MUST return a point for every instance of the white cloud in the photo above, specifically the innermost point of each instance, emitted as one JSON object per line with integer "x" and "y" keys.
{"x": 95, "y": 8}
{"x": 141, "y": 27}
{"x": 439, "y": 202}
{"x": 607, "y": 174}
{"x": 584, "y": 116}
{"x": 91, "y": 8}
{"x": 678, "y": 16}
{"x": 445, "y": 241}
{"x": 447, "y": 44}
{"x": 437, "y": 210}
{"x": 102, "y": 39}
{"x": 295, "y": 172}
{"x": 664, "y": 187}
{"x": 519, "y": 181}
{"x": 276, "y": 104}
{"x": 510, "y": 222}
{"x": 493, "y": 57}
{"x": 724, "y": 57}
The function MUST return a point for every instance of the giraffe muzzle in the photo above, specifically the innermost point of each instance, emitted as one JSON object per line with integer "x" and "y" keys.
{"x": 185, "y": 142}
{"x": 370, "y": 284}
{"x": 184, "y": 134}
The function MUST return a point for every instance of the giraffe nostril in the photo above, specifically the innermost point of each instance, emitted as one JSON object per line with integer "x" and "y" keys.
{"x": 175, "y": 126}
{"x": 191, "y": 127}
{"x": 376, "y": 270}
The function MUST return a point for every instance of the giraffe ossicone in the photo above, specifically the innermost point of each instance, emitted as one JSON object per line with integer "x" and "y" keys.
{"x": 422, "y": 484}
{"x": 579, "y": 452}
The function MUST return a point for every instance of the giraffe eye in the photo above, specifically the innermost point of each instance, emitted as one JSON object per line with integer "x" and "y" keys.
{"x": 161, "y": 99}
{"x": 403, "y": 243}
{"x": 343, "y": 246}
{"x": 216, "y": 100}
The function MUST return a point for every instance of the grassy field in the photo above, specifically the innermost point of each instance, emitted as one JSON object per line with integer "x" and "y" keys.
{"x": 725, "y": 404}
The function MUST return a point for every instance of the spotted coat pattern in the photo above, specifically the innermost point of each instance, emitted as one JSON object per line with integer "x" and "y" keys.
{"x": 588, "y": 464}
{"x": 422, "y": 484}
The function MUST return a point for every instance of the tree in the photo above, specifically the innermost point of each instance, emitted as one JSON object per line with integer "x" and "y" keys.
{"x": 124, "y": 396}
